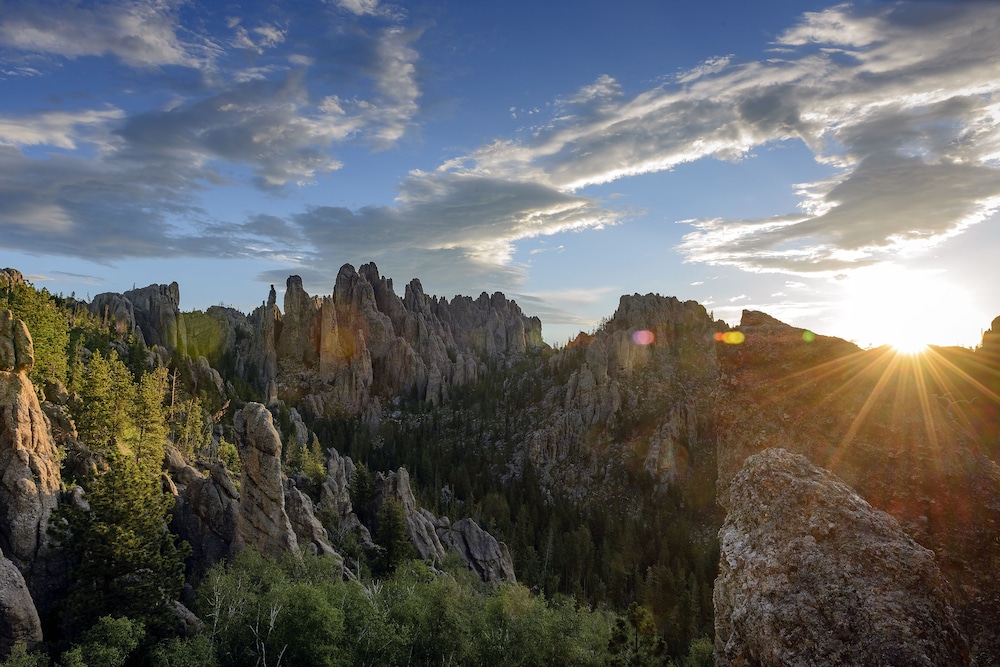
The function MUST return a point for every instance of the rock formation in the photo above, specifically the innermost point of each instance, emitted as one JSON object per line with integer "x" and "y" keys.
{"x": 811, "y": 574}
{"x": 10, "y": 278}
{"x": 206, "y": 512}
{"x": 335, "y": 495}
{"x": 157, "y": 314}
{"x": 263, "y": 522}
{"x": 486, "y": 556}
{"x": 644, "y": 381}
{"x": 432, "y": 537}
{"x": 29, "y": 469}
{"x": 18, "y": 617}
{"x": 309, "y": 532}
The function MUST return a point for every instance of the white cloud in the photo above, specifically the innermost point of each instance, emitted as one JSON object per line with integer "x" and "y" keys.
{"x": 141, "y": 34}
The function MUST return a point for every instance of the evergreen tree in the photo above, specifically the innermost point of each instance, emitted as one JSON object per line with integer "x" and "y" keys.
{"x": 107, "y": 396}
{"x": 129, "y": 564}
{"x": 394, "y": 545}
{"x": 149, "y": 419}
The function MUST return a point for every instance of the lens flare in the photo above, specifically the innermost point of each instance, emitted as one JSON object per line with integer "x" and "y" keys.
{"x": 643, "y": 337}
{"x": 730, "y": 337}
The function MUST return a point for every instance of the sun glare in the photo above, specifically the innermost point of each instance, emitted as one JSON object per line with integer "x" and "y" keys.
{"x": 910, "y": 347}
{"x": 907, "y": 309}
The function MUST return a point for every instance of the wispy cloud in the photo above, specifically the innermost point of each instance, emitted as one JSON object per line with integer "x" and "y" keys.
{"x": 275, "y": 101}
{"x": 140, "y": 34}
{"x": 900, "y": 100}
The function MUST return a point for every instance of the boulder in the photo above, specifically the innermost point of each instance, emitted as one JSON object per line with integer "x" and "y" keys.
{"x": 811, "y": 574}
{"x": 263, "y": 522}
{"x": 18, "y": 617}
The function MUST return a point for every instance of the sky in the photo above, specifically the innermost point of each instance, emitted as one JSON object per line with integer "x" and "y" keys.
{"x": 834, "y": 165}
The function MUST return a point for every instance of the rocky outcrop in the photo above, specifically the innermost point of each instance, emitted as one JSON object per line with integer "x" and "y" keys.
{"x": 29, "y": 468}
{"x": 486, "y": 556}
{"x": 811, "y": 574}
{"x": 645, "y": 382}
{"x": 18, "y": 617}
{"x": 263, "y": 522}
{"x": 114, "y": 310}
{"x": 433, "y": 537}
{"x": 335, "y": 496}
{"x": 10, "y": 278}
{"x": 157, "y": 314}
{"x": 205, "y": 513}
{"x": 363, "y": 340}
{"x": 309, "y": 532}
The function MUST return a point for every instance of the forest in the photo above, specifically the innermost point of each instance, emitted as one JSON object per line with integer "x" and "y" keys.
{"x": 627, "y": 581}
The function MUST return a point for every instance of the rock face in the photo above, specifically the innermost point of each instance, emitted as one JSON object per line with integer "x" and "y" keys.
{"x": 432, "y": 537}
{"x": 338, "y": 352}
{"x": 113, "y": 308}
{"x": 335, "y": 495}
{"x": 157, "y": 314}
{"x": 10, "y": 278}
{"x": 18, "y": 618}
{"x": 811, "y": 574}
{"x": 481, "y": 551}
{"x": 263, "y": 522}
{"x": 653, "y": 364}
{"x": 29, "y": 469}
{"x": 206, "y": 512}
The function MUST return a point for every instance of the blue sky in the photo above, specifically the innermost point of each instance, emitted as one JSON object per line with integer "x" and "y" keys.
{"x": 837, "y": 166}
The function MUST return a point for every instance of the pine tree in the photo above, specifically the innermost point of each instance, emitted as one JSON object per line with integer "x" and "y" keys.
{"x": 149, "y": 420}
{"x": 129, "y": 564}
{"x": 107, "y": 394}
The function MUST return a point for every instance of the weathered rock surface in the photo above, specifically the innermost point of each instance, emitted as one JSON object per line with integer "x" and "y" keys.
{"x": 205, "y": 513}
{"x": 18, "y": 617}
{"x": 309, "y": 532}
{"x": 432, "y": 537}
{"x": 10, "y": 278}
{"x": 335, "y": 495}
{"x": 488, "y": 557}
{"x": 157, "y": 314}
{"x": 29, "y": 468}
{"x": 645, "y": 381}
{"x": 364, "y": 340}
{"x": 263, "y": 522}
{"x": 811, "y": 574}
{"x": 115, "y": 309}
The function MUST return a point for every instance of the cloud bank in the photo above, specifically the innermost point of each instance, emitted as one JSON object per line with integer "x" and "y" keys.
{"x": 900, "y": 100}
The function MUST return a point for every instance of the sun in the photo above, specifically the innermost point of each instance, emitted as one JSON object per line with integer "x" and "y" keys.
{"x": 910, "y": 347}
{"x": 905, "y": 308}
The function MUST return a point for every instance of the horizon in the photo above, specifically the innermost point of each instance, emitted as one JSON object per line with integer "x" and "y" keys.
{"x": 835, "y": 165}
{"x": 906, "y": 346}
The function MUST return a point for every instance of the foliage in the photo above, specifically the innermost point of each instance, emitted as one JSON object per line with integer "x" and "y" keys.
{"x": 20, "y": 657}
{"x": 108, "y": 643}
{"x": 107, "y": 395}
{"x": 303, "y": 611}
{"x": 194, "y": 651}
{"x": 128, "y": 561}
{"x": 394, "y": 544}
{"x": 49, "y": 330}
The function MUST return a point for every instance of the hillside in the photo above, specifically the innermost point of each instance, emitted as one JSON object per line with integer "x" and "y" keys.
{"x": 420, "y": 480}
